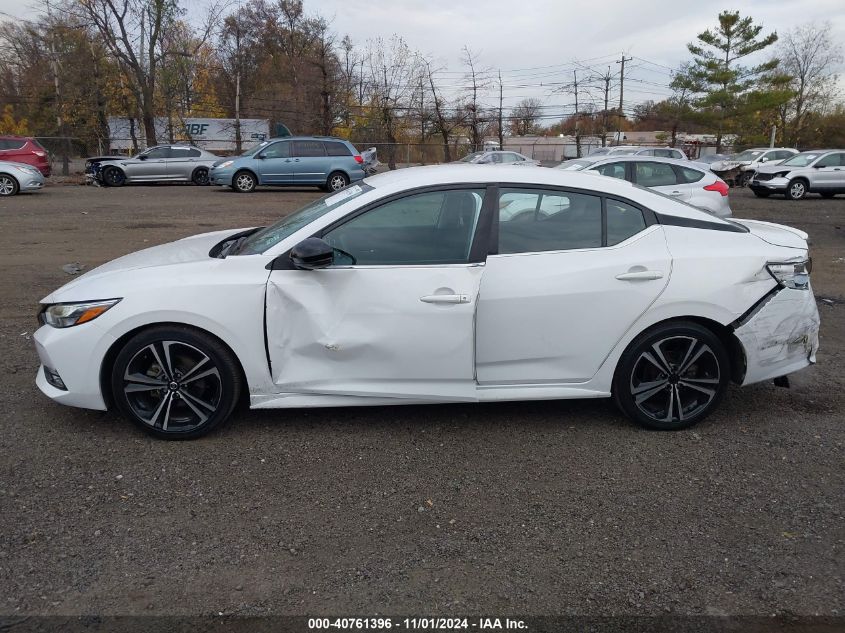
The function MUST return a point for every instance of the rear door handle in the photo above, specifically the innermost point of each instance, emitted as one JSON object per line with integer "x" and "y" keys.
{"x": 676, "y": 193}
{"x": 640, "y": 275}
{"x": 445, "y": 299}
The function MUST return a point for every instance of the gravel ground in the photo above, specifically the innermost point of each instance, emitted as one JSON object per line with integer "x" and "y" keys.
{"x": 533, "y": 508}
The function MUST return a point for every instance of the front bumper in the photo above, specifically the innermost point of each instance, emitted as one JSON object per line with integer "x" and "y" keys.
{"x": 76, "y": 354}
{"x": 32, "y": 183}
{"x": 773, "y": 185}
{"x": 222, "y": 177}
{"x": 780, "y": 336}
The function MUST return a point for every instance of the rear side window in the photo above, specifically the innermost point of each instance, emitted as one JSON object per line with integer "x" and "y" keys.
{"x": 334, "y": 148}
{"x": 194, "y": 153}
{"x": 687, "y": 175}
{"x": 614, "y": 170}
{"x": 308, "y": 148}
{"x": 655, "y": 174}
{"x": 183, "y": 152}
{"x": 831, "y": 160}
{"x": 532, "y": 221}
{"x": 623, "y": 221}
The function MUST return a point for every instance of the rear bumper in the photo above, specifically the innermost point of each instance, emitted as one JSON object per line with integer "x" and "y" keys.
{"x": 780, "y": 336}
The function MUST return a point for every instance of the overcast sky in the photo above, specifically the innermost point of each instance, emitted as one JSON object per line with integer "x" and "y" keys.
{"x": 536, "y": 43}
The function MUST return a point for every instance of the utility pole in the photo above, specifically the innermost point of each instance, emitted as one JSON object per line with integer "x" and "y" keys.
{"x": 606, "y": 79}
{"x": 54, "y": 63}
{"x": 238, "y": 136}
{"x": 501, "y": 99}
{"x": 621, "y": 88}
{"x": 577, "y": 115}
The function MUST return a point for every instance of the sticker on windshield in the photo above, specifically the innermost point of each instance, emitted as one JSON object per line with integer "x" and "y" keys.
{"x": 354, "y": 190}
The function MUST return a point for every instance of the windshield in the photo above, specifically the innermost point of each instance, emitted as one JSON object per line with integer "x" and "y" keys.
{"x": 269, "y": 236}
{"x": 801, "y": 160}
{"x": 574, "y": 164}
{"x": 471, "y": 157}
{"x": 254, "y": 148}
{"x": 749, "y": 154}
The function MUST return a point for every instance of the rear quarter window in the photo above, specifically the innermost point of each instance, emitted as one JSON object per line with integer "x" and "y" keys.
{"x": 687, "y": 175}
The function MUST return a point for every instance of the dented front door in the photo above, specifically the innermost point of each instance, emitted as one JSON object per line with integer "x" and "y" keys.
{"x": 403, "y": 332}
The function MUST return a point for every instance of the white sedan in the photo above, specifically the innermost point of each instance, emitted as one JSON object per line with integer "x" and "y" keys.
{"x": 420, "y": 286}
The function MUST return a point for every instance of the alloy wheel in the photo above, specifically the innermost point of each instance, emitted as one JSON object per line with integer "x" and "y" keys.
{"x": 676, "y": 379}
{"x": 201, "y": 177}
{"x": 7, "y": 186}
{"x": 244, "y": 182}
{"x": 797, "y": 190}
{"x": 172, "y": 386}
{"x": 337, "y": 182}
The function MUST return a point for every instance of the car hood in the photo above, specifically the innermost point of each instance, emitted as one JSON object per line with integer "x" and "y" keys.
{"x": 776, "y": 234}
{"x": 189, "y": 249}
{"x": 97, "y": 159}
{"x": 771, "y": 168}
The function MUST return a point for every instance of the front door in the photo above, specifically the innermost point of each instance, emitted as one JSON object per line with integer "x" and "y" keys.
{"x": 394, "y": 315}
{"x": 561, "y": 291}
{"x": 151, "y": 165}
{"x": 275, "y": 165}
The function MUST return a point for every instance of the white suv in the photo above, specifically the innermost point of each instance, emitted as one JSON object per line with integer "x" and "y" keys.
{"x": 819, "y": 171}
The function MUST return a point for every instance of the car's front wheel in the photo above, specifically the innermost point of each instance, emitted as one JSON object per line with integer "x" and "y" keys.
{"x": 175, "y": 382}
{"x": 8, "y": 185}
{"x": 797, "y": 189}
{"x": 114, "y": 177}
{"x": 244, "y": 182}
{"x": 672, "y": 376}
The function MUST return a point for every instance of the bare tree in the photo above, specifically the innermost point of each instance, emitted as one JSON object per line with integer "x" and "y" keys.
{"x": 444, "y": 124}
{"x": 525, "y": 117}
{"x": 808, "y": 54}
{"x": 478, "y": 80}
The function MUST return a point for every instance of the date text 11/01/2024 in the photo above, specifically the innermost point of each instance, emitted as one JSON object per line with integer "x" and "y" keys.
{"x": 422, "y": 624}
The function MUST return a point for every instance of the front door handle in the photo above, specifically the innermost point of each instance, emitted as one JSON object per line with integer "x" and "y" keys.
{"x": 445, "y": 299}
{"x": 640, "y": 275}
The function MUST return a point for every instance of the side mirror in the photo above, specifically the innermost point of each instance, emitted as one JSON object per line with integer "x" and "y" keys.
{"x": 260, "y": 155}
{"x": 143, "y": 157}
{"x": 312, "y": 253}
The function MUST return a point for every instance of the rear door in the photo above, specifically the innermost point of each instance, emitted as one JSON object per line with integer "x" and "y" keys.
{"x": 660, "y": 177}
{"x": 563, "y": 286}
{"x": 275, "y": 165}
{"x": 181, "y": 162}
{"x": 311, "y": 162}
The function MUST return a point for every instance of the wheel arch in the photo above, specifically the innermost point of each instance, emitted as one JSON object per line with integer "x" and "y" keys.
{"x": 107, "y": 365}
{"x": 248, "y": 170}
{"x": 198, "y": 168}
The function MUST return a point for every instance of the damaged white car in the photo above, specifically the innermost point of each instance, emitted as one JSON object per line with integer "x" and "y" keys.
{"x": 425, "y": 285}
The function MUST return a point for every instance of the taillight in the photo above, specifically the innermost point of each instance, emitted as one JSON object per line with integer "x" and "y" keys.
{"x": 358, "y": 159}
{"x": 39, "y": 154}
{"x": 719, "y": 186}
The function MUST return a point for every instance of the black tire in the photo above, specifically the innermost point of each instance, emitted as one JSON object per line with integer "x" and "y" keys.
{"x": 200, "y": 176}
{"x": 336, "y": 181}
{"x": 761, "y": 194}
{"x": 8, "y": 185}
{"x": 797, "y": 189}
{"x": 646, "y": 390}
{"x": 114, "y": 177}
{"x": 175, "y": 382}
{"x": 827, "y": 194}
{"x": 244, "y": 182}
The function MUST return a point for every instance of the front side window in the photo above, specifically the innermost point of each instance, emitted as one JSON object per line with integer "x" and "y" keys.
{"x": 277, "y": 150}
{"x": 157, "y": 153}
{"x": 614, "y": 170}
{"x": 532, "y": 220}
{"x": 655, "y": 174}
{"x": 801, "y": 160}
{"x": 435, "y": 227}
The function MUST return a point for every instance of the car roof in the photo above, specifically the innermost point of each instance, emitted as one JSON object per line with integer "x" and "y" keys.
{"x": 631, "y": 158}
{"x": 307, "y": 138}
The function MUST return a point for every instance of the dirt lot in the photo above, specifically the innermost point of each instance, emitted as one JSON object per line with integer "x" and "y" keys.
{"x": 538, "y": 508}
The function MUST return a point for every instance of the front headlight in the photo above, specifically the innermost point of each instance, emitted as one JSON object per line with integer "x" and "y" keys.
{"x": 62, "y": 315}
{"x": 225, "y": 164}
{"x": 794, "y": 275}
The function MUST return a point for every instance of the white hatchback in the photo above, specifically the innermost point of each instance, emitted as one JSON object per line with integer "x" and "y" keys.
{"x": 439, "y": 284}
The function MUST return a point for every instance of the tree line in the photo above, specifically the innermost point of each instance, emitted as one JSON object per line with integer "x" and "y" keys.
{"x": 65, "y": 72}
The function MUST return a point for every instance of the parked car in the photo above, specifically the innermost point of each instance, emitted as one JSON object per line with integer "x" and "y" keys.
{"x": 499, "y": 157}
{"x": 19, "y": 177}
{"x": 684, "y": 180}
{"x": 162, "y": 163}
{"x": 820, "y": 171}
{"x": 638, "y": 150}
{"x": 747, "y": 162}
{"x": 26, "y": 150}
{"x": 709, "y": 159}
{"x": 412, "y": 287}
{"x": 327, "y": 162}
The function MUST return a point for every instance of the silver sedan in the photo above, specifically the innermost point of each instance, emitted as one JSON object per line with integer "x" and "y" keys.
{"x": 163, "y": 163}
{"x": 19, "y": 177}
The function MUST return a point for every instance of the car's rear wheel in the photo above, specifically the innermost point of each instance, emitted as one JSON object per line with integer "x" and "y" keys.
{"x": 244, "y": 182}
{"x": 336, "y": 181}
{"x": 114, "y": 177}
{"x": 175, "y": 382}
{"x": 797, "y": 189}
{"x": 761, "y": 194}
{"x": 8, "y": 185}
{"x": 200, "y": 176}
{"x": 672, "y": 376}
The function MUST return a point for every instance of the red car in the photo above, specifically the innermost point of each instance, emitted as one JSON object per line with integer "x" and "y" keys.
{"x": 20, "y": 149}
